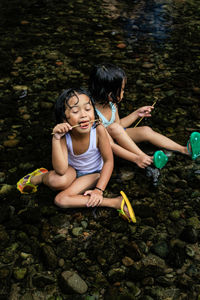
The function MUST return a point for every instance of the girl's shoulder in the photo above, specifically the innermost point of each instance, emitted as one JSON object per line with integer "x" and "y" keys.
{"x": 100, "y": 130}
{"x": 100, "y": 134}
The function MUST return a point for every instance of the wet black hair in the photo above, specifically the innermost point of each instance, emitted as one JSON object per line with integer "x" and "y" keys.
{"x": 106, "y": 79}
{"x": 63, "y": 99}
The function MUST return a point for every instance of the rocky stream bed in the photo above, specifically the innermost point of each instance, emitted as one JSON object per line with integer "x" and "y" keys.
{"x": 92, "y": 254}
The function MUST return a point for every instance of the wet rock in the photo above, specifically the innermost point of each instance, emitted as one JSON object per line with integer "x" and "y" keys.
{"x": 126, "y": 175}
{"x": 49, "y": 257}
{"x": 196, "y": 90}
{"x": 19, "y": 273}
{"x": 175, "y": 215}
{"x": 150, "y": 265}
{"x": 66, "y": 249}
{"x": 153, "y": 265}
{"x": 77, "y": 231}
{"x": 26, "y": 166}
{"x": 2, "y": 177}
{"x": 60, "y": 220}
{"x": 148, "y": 233}
{"x": 6, "y": 189}
{"x": 177, "y": 254}
{"x": 116, "y": 274}
{"x": 163, "y": 293}
{"x": 4, "y": 237}
{"x": 26, "y": 117}
{"x": 135, "y": 290}
{"x": 18, "y": 60}
{"x": 54, "y": 55}
{"x": 193, "y": 271}
{"x": 40, "y": 280}
{"x": 4, "y": 272}
{"x": 190, "y": 251}
{"x": 147, "y": 65}
{"x": 127, "y": 261}
{"x": 14, "y": 291}
{"x": 146, "y": 297}
{"x": 46, "y": 105}
{"x": 27, "y": 296}
{"x": 20, "y": 87}
{"x": 165, "y": 281}
{"x": 133, "y": 251}
{"x": 148, "y": 281}
{"x": 189, "y": 234}
{"x": 71, "y": 283}
{"x": 194, "y": 222}
{"x": 121, "y": 46}
{"x": 154, "y": 173}
{"x": 11, "y": 143}
{"x": 161, "y": 249}
{"x": 154, "y": 54}
{"x": 31, "y": 230}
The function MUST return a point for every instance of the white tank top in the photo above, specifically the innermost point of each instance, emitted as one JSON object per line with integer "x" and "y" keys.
{"x": 89, "y": 161}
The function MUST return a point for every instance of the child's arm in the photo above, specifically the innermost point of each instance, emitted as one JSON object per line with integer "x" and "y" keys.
{"x": 107, "y": 155}
{"x": 141, "y": 159}
{"x": 144, "y": 111}
{"x": 96, "y": 195}
{"x": 59, "y": 148}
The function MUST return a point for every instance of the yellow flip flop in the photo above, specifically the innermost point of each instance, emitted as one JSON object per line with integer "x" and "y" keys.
{"x": 122, "y": 214}
{"x": 25, "y": 186}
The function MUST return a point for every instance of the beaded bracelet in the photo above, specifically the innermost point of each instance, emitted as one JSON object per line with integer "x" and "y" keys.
{"x": 99, "y": 189}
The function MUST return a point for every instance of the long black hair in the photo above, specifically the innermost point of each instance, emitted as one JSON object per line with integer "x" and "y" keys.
{"x": 63, "y": 99}
{"x": 106, "y": 80}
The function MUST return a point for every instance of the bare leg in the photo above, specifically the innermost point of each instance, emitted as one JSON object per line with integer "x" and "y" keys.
{"x": 55, "y": 181}
{"x": 126, "y": 148}
{"x": 72, "y": 196}
{"x": 119, "y": 134}
{"x": 66, "y": 201}
{"x": 73, "y": 188}
{"x": 146, "y": 134}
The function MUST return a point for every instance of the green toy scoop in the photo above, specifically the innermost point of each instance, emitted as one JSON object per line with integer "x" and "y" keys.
{"x": 160, "y": 159}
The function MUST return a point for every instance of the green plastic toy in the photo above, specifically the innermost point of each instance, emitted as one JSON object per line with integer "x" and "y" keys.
{"x": 193, "y": 145}
{"x": 160, "y": 159}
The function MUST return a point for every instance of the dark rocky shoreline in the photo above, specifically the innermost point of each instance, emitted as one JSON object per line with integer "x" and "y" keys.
{"x": 54, "y": 254}
{"x": 49, "y": 253}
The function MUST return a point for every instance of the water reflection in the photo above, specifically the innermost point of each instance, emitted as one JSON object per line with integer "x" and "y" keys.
{"x": 142, "y": 20}
{"x": 152, "y": 22}
{"x": 49, "y": 45}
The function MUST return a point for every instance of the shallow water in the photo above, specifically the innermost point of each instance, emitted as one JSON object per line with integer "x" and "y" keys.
{"x": 49, "y": 45}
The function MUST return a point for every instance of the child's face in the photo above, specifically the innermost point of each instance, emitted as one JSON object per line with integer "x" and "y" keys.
{"x": 80, "y": 111}
{"x": 122, "y": 90}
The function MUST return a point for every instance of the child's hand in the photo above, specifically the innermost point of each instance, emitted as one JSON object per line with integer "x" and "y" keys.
{"x": 144, "y": 161}
{"x": 61, "y": 129}
{"x": 144, "y": 111}
{"x": 95, "y": 199}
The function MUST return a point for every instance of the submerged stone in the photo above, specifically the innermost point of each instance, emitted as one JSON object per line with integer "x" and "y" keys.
{"x": 71, "y": 282}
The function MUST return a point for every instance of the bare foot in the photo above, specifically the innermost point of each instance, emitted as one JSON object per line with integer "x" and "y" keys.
{"x": 37, "y": 179}
{"x": 125, "y": 208}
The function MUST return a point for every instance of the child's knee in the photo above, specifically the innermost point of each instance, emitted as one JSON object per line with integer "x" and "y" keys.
{"x": 60, "y": 201}
{"x": 58, "y": 182}
{"x": 114, "y": 129}
{"x": 147, "y": 131}
{"x": 57, "y": 200}
{"x": 54, "y": 182}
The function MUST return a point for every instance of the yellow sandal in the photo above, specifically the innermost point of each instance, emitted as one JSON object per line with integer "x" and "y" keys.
{"x": 25, "y": 186}
{"x": 121, "y": 211}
